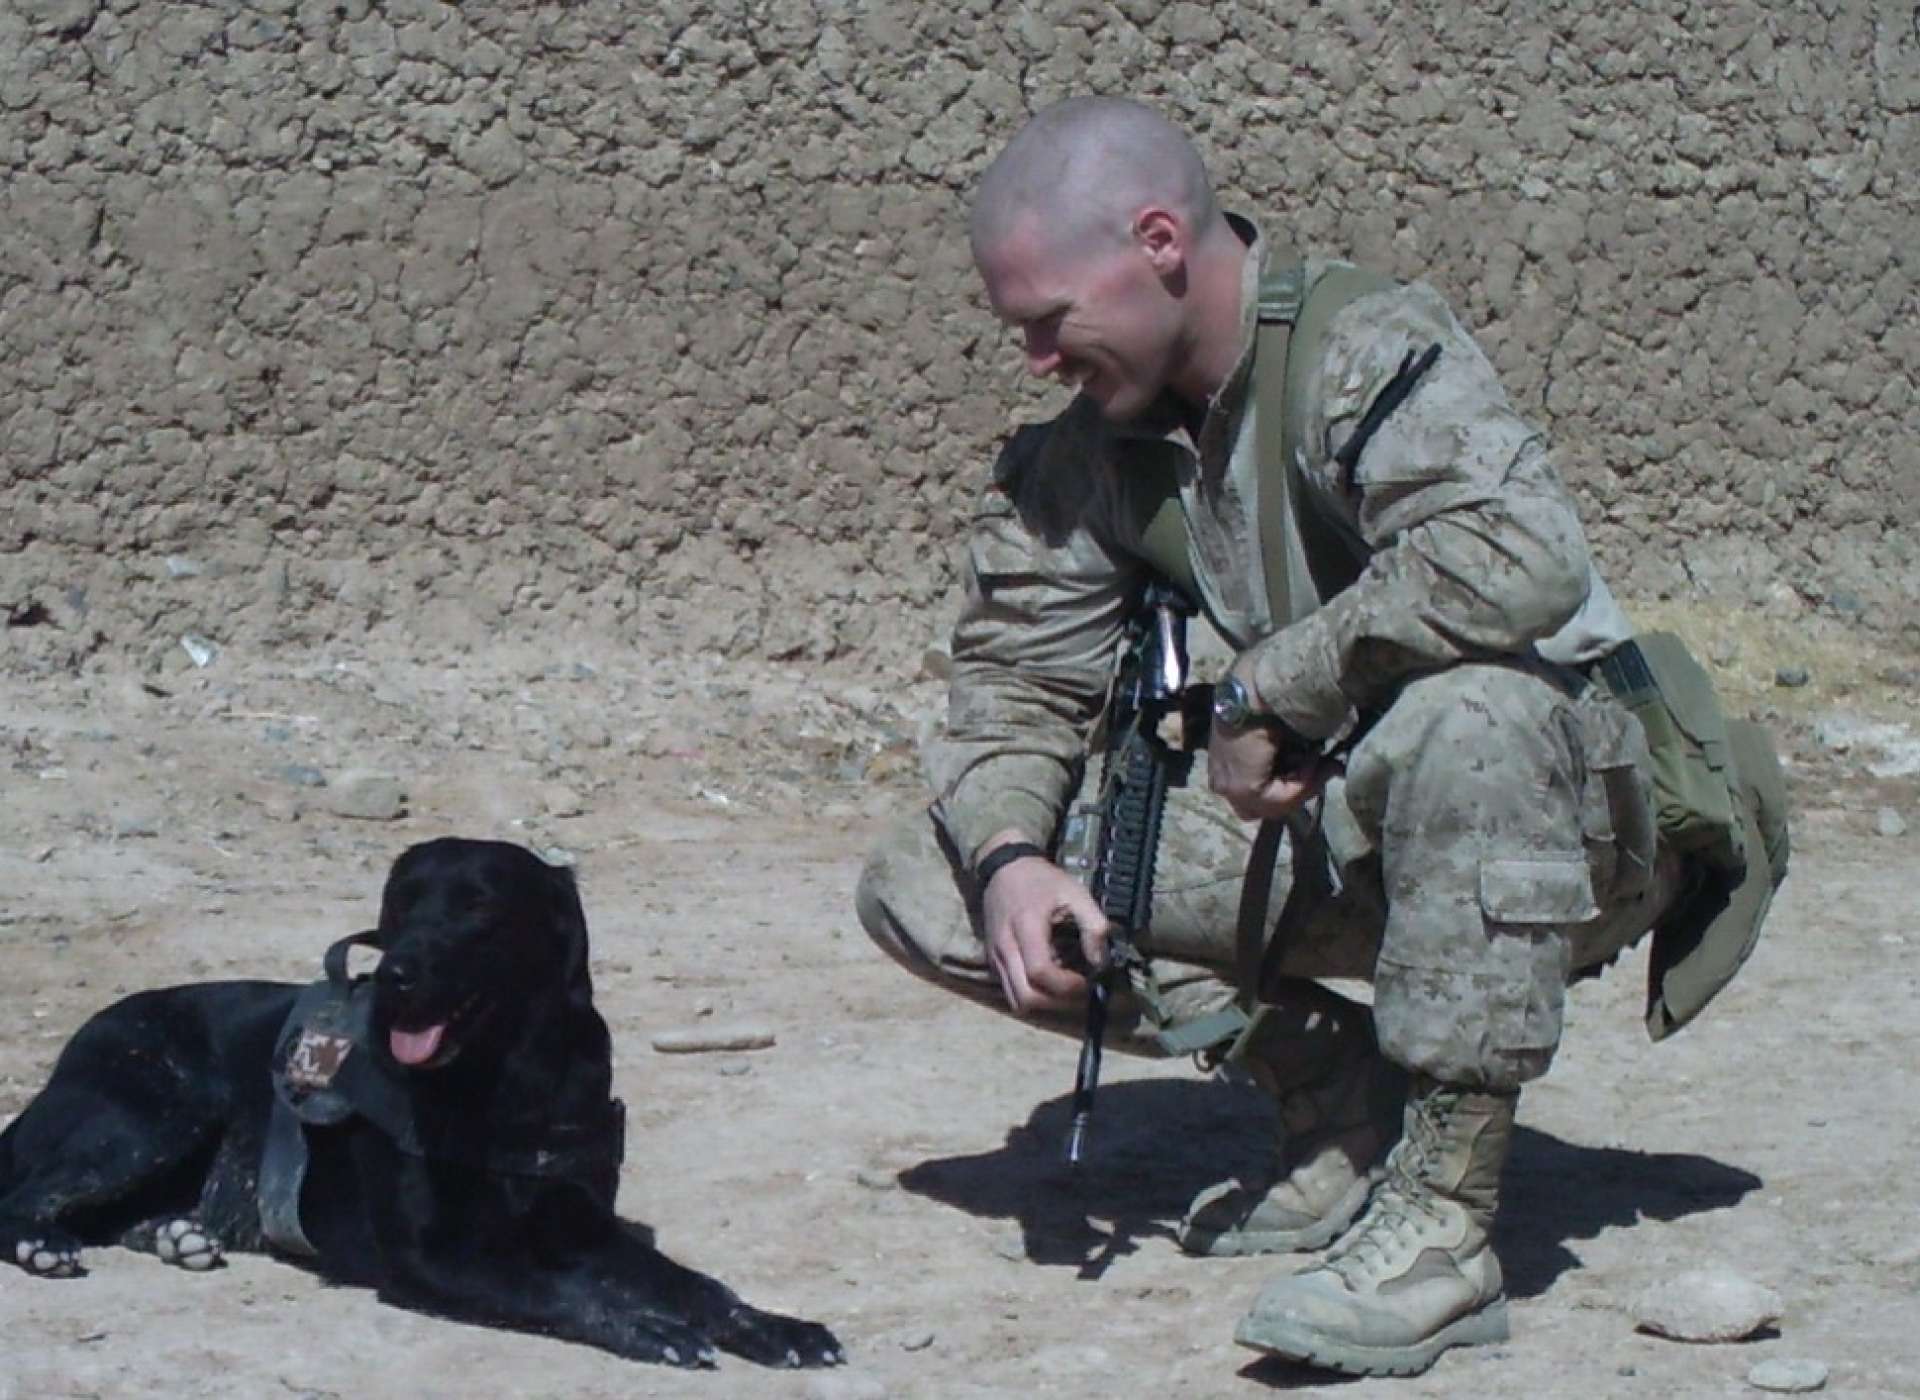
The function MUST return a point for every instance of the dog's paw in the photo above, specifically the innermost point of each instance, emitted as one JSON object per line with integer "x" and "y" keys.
{"x": 48, "y": 1258}
{"x": 774, "y": 1340}
{"x": 666, "y": 1340}
{"x": 185, "y": 1245}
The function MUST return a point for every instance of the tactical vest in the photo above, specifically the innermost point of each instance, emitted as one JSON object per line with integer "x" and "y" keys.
{"x": 325, "y": 1072}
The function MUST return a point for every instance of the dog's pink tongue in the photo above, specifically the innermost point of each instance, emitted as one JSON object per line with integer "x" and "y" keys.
{"x": 415, "y": 1047}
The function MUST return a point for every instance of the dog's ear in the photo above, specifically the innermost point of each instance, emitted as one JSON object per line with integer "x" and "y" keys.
{"x": 398, "y": 880}
{"x": 570, "y": 929}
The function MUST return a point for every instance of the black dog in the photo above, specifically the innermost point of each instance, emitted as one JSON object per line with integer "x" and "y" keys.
{"x": 441, "y": 1131}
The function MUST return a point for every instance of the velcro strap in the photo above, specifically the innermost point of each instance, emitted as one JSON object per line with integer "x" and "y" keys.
{"x": 1280, "y": 295}
{"x": 1625, "y": 672}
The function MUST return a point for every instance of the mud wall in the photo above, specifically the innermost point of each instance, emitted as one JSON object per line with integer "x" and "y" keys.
{"x": 653, "y": 324}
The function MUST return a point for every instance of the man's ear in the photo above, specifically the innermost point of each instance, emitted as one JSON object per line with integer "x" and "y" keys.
{"x": 1161, "y": 235}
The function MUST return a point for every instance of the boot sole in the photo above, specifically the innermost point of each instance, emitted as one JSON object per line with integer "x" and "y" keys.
{"x": 1271, "y": 1335}
{"x": 1242, "y": 1244}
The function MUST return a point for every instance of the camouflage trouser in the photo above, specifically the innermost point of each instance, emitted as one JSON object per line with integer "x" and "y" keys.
{"x": 1492, "y": 835}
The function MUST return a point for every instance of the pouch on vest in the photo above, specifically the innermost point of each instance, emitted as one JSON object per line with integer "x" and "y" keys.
{"x": 1720, "y": 802}
{"x": 1694, "y": 779}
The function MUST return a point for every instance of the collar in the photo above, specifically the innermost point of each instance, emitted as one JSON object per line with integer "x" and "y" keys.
{"x": 1220, "y": 423}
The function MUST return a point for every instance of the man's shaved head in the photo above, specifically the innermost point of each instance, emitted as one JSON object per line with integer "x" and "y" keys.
{"x": 1083, "y": 168}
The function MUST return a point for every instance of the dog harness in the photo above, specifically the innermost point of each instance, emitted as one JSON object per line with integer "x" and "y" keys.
{"x": 325, "y": 1071}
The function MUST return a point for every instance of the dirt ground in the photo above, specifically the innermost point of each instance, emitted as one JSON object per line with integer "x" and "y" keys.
{"x": 891, "y": 1165}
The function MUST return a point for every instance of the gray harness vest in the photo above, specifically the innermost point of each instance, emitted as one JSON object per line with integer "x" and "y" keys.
{"x": 325, "y": 1072}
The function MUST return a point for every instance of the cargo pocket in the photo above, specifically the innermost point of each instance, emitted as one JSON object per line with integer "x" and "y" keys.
{"x": 1482, "y": 1004}
{"x": 1529, "y": 903}
{"x": 1616, "y": 803}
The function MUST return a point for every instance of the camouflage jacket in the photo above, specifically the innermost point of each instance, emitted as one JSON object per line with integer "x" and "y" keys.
{"x": 1465, "y": 543}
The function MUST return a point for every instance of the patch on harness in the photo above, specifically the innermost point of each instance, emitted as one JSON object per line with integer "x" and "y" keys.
{"x": 316, "y": 1058}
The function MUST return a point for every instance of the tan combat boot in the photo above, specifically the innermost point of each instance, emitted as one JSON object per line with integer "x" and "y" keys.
{"x": 1417, "y": 1273}
{"x": 1340, "y": 1110}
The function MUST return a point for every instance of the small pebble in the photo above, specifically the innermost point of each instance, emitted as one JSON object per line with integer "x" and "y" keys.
{"x": 1788, "y": 1376}
{"x": 936, "y": 664}
{"x": 875, "y": 1179}
{"x": 367, "y": 795}
{"x": 203, "y": 652}
{"x": 1791, "y": 676}
{"x": 561, "y": 801}
{"x": 1706, "y": 1305}
{"x": 1890, "y": 823}
{"x": 916, "y": 1341}
{"x": 691, "y": 1040}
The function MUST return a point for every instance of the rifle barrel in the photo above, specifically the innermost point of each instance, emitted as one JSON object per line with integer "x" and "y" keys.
{"x": 1087, "y": 1080}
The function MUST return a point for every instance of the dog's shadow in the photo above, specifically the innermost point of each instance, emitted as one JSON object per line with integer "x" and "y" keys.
{"x": 1156, "y": 1142}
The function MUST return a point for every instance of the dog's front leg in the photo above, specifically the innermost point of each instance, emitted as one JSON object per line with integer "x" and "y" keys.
{"x": 771, "y": 1339}
{"x": 529, "y": 1296}
{"x": 463, "y": 1244}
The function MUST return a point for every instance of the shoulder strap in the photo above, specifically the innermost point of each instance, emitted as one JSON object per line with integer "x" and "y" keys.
{"x": 1293, "y": 319}
{"x": 1302, "y": 568}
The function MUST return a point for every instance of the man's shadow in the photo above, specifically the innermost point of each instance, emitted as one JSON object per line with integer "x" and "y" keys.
{"x": 1155, "y": 1143}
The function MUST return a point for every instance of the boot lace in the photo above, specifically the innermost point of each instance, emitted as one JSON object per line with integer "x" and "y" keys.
{"x": 1400, "y": 1210}
{"x": 1393, "y": 1218}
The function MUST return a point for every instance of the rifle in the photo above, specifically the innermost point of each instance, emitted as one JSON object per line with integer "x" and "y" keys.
{"x": 1148, "y": 723}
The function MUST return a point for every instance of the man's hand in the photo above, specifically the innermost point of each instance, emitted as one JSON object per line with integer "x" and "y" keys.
{"x": 1259, "y": 774}
{"x": 1021, "y": 906}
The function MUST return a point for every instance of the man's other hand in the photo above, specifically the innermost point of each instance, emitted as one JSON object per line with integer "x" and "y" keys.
{"x": 1020, "y": 908}
{"x": 1258, "y": 775}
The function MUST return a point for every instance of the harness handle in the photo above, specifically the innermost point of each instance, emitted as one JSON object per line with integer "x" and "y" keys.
{"x": 335, "y": 961}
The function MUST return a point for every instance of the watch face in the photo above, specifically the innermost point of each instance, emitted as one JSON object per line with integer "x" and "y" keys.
{"x": 1230, "y": 703}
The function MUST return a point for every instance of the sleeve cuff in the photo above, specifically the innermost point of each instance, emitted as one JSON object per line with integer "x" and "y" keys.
{"x": 971, "y": 818}
{"x": 1294, "y": 682}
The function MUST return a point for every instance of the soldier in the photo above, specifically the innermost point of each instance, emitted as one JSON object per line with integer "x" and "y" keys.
{"x": 1327, "y": 462}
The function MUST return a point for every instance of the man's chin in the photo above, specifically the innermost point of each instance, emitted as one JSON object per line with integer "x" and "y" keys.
{"x": 1119, "y": 409}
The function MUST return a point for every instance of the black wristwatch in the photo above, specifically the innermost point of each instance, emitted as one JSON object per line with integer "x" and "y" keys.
{"x": 1232, "y": 703}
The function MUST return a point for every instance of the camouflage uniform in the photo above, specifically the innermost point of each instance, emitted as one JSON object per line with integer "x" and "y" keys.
{"x": 1493, "y": 830}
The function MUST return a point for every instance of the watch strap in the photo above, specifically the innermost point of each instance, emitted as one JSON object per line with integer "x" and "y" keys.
{"x": 999, "y": 856}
